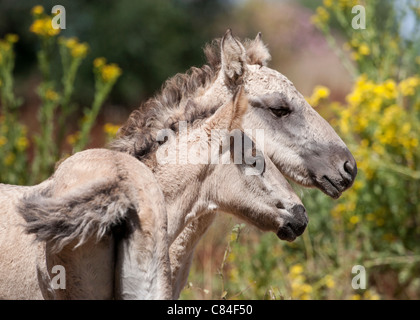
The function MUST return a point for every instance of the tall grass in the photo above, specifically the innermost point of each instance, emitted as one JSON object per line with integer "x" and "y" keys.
{"x": 56, "y": 103}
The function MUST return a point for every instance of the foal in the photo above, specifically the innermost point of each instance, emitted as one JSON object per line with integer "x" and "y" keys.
{"x": 261, "y": 197}
{"x": 302, "y": 145}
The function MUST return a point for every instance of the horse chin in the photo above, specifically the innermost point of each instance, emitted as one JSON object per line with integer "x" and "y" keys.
{"x": 286, "y": 233}
{"x": 329, "y": 188}
{"x": 294, "y": 226}
{"x": 323, "y": 183}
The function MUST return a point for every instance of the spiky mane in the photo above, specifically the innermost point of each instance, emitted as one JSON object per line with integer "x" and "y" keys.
{"x": 173, "y": 104}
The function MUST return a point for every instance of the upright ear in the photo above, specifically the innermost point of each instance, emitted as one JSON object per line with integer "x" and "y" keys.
{"x": 256, "y": 51}
{"x": 233, "y": 56}
{"x": 230, "y": 115}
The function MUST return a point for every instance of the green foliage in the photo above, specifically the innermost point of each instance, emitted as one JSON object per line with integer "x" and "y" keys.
{"x": 56, "y": 103}
{"x": 13, "y": 141}
{"x": 130, "y": 33}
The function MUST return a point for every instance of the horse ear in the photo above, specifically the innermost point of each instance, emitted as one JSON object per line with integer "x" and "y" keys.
{"x": 230, "y": 115}
{"x": 257, "y": 52}
{"x": 233, "y": 56}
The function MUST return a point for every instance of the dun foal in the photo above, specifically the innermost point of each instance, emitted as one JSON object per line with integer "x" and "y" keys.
{"x": 115, "y": 222}
{"x": 301, "y": 144}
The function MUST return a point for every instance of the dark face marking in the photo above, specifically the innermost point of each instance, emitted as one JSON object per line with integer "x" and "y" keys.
{"x": 276, "y": 102}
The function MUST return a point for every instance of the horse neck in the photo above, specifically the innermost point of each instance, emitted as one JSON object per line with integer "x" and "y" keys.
{"x": 186, "y": 190}
{"x": 182, "y": 250}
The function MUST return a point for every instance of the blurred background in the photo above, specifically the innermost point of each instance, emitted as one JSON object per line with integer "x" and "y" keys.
{"x": 66, "y": 90}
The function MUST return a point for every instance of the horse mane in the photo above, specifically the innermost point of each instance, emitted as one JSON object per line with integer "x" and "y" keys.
{"x": 137, "y": 136}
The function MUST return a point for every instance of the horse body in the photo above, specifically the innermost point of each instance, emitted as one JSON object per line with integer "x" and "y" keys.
{"x": 89, "y": 195}
{"x": 19, "y": 253}
{"x": 300, "y": 143}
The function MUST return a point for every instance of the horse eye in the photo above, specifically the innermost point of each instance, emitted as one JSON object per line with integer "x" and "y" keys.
{"x": 281, "y": 111}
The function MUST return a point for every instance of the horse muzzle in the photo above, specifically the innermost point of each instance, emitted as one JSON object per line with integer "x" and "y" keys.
{"x": 293, "y": 225}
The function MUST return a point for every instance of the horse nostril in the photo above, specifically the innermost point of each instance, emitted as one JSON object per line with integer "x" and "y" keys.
{"x": 348, "y": 168}
{"x": 351, "y": 168}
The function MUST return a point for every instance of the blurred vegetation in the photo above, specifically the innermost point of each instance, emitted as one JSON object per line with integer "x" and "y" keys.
{"x": 15, "y": 167}
{"x": 129, "y": 33}
{"x": 374, "y": 224}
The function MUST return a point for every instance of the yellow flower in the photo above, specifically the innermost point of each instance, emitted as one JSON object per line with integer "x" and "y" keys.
{"x": 354, "y": 42}
{"x": 329, "y": 281}
{"x": 354, "y": 219}
{"x": 347, "y": 3}
{"x": 3, "y": 141}
{"x": 37, "y": 26}
{"x": 111, "y": 129}
{"x": 12, "y": 38}
{"x": 296, "y": 269}
{"x": 362, "y": 124}
{"x": 391, "y": 88}
{"x": 300, "y": 289}
{"x": 43, "y": 27}
{"x": 378, "y": 148}
{"x": 5, "y": 46}
{"x": 321, "y": 17}
{"x": 37, "y": 10}
{"x": 355, "y": 56}
{"x": 9, "y": 159}
{"x": 322, "y": 92}
{"x": 110, "y": 72}
{"x": 406, "y": 128}
{"x": 369, "y": 295}
{"x": 306, "y": 288}
{"x": 99, "y": 62}
{"x": 319, "y": 93}
{"x": 73, "y": 138}
{"x": 79, "y": 50}
{"x": 68, "y": 42}
{"x": 22, "y": 143}
{"x": 51, "y": 95}
{"x": 322, "y": 14}
{"x": 328, "y": 3}
{"x": 408, "y": 86}
{"x": 364, "y": 49}
{"x": 356, "y": 297}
